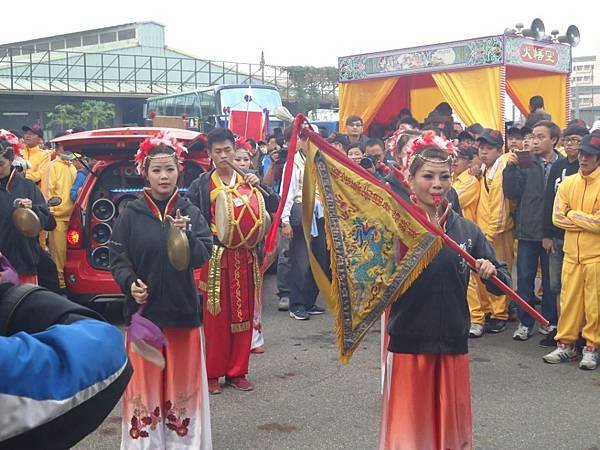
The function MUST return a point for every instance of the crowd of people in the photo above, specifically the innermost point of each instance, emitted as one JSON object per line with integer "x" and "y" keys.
{"x": 532, "y": 200}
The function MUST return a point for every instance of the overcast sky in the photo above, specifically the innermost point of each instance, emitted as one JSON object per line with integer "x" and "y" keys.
{"x": 310, "y": 32}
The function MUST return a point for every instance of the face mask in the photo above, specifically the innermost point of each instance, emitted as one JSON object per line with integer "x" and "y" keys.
{"x": 67, "y": 156}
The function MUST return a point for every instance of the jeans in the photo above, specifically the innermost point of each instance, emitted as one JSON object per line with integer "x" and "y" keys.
{"x": 283, "y": 267}
{"x": 556, "y": 263}
{"x": 302, "y": 284}
{"x": 530, "y": 252}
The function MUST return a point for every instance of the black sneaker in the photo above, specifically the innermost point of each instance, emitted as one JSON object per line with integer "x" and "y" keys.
{"x": 549, "y": 341}
{"x": 316, "y": 310}
{"x": 496, "y": 326}
{"x": 299, "y": 314}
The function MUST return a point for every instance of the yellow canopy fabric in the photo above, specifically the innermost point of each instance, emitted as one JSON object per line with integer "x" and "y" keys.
{"x": 423, "y": 100}
{"x": 364, "y": 98}
{"x": 522, "y": 84}
{"x": 474, "y": 95}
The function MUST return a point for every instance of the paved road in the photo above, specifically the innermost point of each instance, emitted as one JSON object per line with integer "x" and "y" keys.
{"x": 305, "y": 399}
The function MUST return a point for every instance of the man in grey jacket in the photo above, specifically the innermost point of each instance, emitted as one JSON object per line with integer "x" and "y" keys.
{"x": 525, "y": 182}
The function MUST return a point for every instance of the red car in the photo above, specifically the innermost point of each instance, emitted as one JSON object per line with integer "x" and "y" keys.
{"x": 113, "y": 183}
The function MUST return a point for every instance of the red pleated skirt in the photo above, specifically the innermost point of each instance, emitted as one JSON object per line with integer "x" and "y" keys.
{"x": 426, "y": 403}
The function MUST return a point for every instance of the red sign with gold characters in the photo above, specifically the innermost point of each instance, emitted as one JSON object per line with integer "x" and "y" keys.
{"x": 538, "y": 55}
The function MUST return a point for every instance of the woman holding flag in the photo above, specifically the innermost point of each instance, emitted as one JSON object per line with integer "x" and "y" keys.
{"x": 426, "y": 396}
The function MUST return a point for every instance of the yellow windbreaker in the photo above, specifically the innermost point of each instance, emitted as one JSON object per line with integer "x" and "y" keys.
{"x": 467, "y": 187}
{"x": 39, "y": 160}
{"x": 493, "y": 210}
{"x": 577, "y": 211}
{"x": 61, "y": 176}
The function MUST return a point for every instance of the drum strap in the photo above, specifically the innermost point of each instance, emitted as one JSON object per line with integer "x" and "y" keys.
{"x": 216, "y": 186}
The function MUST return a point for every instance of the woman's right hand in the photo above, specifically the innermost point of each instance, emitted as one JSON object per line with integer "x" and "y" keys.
{"x": 139, "y": 291}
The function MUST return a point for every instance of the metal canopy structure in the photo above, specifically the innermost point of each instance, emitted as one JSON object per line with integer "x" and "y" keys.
{"x": 131, "y": 75}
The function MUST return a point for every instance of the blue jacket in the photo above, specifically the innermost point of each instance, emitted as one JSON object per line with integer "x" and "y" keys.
{"x": 58, "y": 384}
{"x": 78, "y": 183}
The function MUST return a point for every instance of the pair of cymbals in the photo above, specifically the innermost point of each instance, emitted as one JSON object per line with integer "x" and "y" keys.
{"x": 27, "y": 222}
{"x": 178, "y": 249}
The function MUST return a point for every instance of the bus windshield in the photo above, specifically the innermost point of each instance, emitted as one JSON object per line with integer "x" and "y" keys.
{"x": 261, "y": 98}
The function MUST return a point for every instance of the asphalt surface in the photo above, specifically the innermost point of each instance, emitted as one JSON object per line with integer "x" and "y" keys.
{"x": 305, "y": 399}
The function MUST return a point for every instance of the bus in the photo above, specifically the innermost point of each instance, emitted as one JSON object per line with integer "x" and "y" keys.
{"x": 216, "y": 106}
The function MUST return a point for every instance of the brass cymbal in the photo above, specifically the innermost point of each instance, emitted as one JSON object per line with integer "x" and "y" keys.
{"x": 178, "y": 249}
{"x": 27, "y": 222}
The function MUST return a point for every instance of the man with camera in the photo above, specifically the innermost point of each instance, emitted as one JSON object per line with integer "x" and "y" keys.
{"x": 525, "y": 179}
{"x": 375, "y": 151}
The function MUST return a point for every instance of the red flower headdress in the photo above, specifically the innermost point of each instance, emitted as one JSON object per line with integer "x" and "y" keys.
{"x": 429, "y": 139}
{"x": 161, "y": 139}
{"x": 12, "y": 140}
{"x": 241, "y": 142}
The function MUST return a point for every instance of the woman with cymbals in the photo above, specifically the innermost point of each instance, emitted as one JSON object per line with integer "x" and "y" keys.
{"x": 166, "y": 402}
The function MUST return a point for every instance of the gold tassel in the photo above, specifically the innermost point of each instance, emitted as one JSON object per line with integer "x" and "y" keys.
{"x": 213, "y": 303}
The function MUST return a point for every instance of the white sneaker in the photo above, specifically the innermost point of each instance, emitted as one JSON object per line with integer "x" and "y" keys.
{"x": 522, "y": 333}
{"x": 546, "y": 330}
{"x": 562, "y": 353}
{"x": 590, "y": 358}
{"x": 476, "y": 330}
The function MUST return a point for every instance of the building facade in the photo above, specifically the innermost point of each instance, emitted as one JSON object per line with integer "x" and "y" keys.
{"x": 585, "y": 88}
{"x": 123, "y": 65}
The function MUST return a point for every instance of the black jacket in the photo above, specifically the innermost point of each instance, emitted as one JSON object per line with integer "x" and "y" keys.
{"x": 140, "y": 236}
{"x": 399, "y": 188}
{"x": 22, "y": 252}
{"x": 528, "y": 188}
{"x": 199, "y": 194}
{"x": 433, "y": 316}
{"x": 559, "y": 171}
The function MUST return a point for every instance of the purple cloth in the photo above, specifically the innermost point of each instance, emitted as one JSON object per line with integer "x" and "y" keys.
{"x": 142, "y": 329}
{"x": 8, "y": 274}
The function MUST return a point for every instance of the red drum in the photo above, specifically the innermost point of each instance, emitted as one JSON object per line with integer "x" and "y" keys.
{"x": 241, "y": 217}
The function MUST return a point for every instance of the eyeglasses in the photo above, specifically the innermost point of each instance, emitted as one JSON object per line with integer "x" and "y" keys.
{"x": 355, "y": 125}
{"x": 573, "y": 141}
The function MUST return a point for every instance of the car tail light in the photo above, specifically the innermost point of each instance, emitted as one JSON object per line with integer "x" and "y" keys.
{"x": 75, "y": 231}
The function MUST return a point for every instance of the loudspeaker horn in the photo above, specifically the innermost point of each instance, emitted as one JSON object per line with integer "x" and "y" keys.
{"x": 536, "y": 30}
{"x": 572, "y": 37}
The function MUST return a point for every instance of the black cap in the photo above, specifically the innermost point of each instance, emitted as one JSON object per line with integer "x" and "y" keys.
{"x": 467, "y": 151}
{"x": 579, "y": 122}
{"x": 576, "y": 130}
{"x": 493, "y": 137}
{"x": 590, "y": 144}
{"x": 476, "y": 128}
{"x": 35, "y": 130}
{"x": 526, "y": 131}
{"x": 465, "y": 135}
{"x": 515, "y": 131}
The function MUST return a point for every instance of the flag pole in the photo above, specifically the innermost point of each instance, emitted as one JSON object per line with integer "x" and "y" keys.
{"x": 425, "y": 222}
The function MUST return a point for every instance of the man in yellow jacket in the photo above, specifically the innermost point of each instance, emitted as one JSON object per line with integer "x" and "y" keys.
{"x": 493, "y": 217}
{"x": 577, "y": 211}
{"x": 38, "y": 159}
{"x": 468, "y": 187}
{"x": 61, "y": 175}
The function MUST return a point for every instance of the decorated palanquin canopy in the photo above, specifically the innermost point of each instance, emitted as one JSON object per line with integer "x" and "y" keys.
{"x": 473, "y": 76}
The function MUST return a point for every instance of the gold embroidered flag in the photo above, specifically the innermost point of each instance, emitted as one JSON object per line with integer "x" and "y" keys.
{"x": 376, "y": 247}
